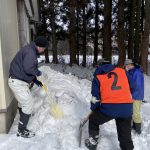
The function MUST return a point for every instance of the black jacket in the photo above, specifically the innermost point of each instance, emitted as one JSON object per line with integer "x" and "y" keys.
{"x": 24, "y": 66}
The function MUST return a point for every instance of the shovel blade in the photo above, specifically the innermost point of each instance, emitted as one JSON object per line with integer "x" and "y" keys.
{"x": 80, "y": 134}
{"x": 56, "y": 111}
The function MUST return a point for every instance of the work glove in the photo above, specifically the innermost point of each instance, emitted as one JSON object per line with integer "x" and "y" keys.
{"x": 94, "y": 103}
{"x": 37, "y": 82}
{"x": 94, "y": 100}
{"x": 39, "y": 73}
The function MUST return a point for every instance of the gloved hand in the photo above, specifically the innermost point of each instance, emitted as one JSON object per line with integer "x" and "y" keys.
{"x": 94, "y": 100}
{"x": 94, "y": 103}
{"x": 39, "y": 73}
{"x": 37, "y": 82}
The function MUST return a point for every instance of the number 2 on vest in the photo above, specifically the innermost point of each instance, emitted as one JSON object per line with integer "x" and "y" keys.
{"x": 114, "y": 84}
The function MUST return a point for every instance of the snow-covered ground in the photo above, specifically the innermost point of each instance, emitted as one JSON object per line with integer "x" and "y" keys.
{"x": 70, "y": 88}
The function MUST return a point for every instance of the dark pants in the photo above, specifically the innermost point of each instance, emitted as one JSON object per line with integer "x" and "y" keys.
{"x": 123, "y": 128}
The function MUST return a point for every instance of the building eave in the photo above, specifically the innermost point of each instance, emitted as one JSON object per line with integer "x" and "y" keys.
{"x": 29, "y": 8}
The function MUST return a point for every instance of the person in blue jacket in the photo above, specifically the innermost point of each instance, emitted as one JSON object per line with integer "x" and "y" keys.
{"x": 135, "y": 74}
{"x": 111, "y": 99}
{"x": 23, "y": 71}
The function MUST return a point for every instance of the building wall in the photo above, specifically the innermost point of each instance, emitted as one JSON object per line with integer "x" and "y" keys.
{"x": 14, "y": 33}
{"x": 23, "y": 23}
{"x": 34, "y": 18}
{"x": 36, "y": 11}
{"x": 26, "y": 11}
{"x": 9, "y": 45}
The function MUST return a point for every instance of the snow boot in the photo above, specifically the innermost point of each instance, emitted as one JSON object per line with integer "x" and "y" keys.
{"x": 22, "y": 130}
{"x": 91, "y": 143}
{"x": 137, "y": 127}
{"x": 25, "y": 133}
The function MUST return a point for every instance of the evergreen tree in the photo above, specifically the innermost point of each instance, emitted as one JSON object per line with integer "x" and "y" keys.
{"x": 72, "y": 32}
{"x": 145, "y": 37}
{"x": 121, "y": 33}
{"x": 107, "y": 51}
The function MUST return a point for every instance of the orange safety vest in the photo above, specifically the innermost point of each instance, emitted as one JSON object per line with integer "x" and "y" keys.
{"x": 114, "y": 87}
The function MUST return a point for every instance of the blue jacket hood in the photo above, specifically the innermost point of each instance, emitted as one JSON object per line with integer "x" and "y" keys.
{"x": 104, "y": 69}
{"x": 136, "y": 67}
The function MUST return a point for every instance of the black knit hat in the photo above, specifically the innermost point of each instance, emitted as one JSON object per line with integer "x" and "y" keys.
{"x": 41, "y": 41}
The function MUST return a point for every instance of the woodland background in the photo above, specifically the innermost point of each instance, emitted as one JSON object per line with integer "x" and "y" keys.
{"x": 96, "y": 27}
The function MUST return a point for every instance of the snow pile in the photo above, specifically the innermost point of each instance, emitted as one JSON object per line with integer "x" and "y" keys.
{"x": 73, "y": 95}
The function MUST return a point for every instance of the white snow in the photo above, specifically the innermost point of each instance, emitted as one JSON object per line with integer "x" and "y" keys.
{"x": 71, "y": 90}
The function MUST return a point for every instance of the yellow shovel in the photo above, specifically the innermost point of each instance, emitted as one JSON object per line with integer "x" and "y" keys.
{"x": 55, "y": 109}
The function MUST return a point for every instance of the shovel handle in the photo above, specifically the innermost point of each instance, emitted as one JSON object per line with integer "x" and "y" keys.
{"x": 85, "y": 119}
{"x": 82, "y": 123}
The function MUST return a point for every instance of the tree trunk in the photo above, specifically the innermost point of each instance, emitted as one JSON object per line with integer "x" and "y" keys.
{"x": 54, "y": 45}
{"x": 46, "y": 56}
{"x": 44, "y": 27}
{"x": 84, "y": 35}
{"x": 137, "y": 32}
{"x": 96, "y": 36}
{"x": 72, "y": 33}
{"x": 131, "y": 29}
{"x": 107, "y": 51}
{"x": 77, "y": 22}
{"x": 121, "y": 44}
{"x": 142, "y": 15}
{"x": 145, "y": 37}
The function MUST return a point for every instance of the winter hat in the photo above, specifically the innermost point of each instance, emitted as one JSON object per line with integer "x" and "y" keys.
{"x": 41, "y": 41}
{"x": 103, "y": 61}
{"x": 128, "y": 61}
